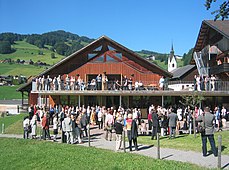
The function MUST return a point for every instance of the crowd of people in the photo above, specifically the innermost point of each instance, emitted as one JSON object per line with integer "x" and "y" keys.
{"x": 205, "y": 83}
{"x": 73, "y": 121}
{"x": 100, "y": 82}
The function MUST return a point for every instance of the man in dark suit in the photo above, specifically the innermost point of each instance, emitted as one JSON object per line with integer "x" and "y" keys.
{"x": 207, "y": 120}
{"x": 155, "y": 124}
{"x": 172, "y": 117}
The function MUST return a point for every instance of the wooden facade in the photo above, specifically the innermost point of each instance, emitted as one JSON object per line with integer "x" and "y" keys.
{"x": 101, "y": 56}
{"x": 213, "y": 44}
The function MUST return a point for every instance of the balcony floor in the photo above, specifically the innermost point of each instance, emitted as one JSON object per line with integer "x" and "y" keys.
{"x": 132, "y": 93}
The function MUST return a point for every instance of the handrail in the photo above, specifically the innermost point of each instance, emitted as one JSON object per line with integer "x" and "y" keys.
{"x": 217, "y": 85}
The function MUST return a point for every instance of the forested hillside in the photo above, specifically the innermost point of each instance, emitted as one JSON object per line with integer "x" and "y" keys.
{"x": 44, "y": 50}
{"x": 64, "y": 43}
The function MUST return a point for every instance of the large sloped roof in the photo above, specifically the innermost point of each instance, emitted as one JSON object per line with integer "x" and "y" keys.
{"x": 104, "y": 39}
{"x": 222, "y": 27}
{"x": 181, "y": 71}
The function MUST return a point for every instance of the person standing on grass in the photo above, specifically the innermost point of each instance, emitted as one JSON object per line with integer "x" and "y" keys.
{"x": 118, "y": 130}
{"x": 132, "y": 131}
{"x": 67, "y": 127}
{"x": 33, "y": 124}
{"x": 83, "y": 122}
{"x": 109, "y": 125}
{"x": 207, "y": 120}
{"x": 45, "y": 127}
{"x": 172, "y": 117}
{"x": 155, "y": 124}
{"x": 55, "y": 127}
{"x": 26, "y": 125}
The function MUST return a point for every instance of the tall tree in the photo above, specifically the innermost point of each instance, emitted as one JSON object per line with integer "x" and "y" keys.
{"x": 5, "y": 47}
{"x": 222, "y": 12}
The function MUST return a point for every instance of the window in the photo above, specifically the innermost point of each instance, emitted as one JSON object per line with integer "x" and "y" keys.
{"x": 98, "y": 49}
{"x": 99, "y": 59}
{"x": 111, "y": 48}
{"x": 119, "y": 55}
{"x": 91, "y": 56}
{"x": 110, "y": 59}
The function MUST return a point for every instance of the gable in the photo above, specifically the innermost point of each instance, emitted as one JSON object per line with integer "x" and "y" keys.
{"x": 102, "y": 50}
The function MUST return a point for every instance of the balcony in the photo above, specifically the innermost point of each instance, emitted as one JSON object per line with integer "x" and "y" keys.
{"x": 222, "y": 68}
{"x": 221, "y": 88}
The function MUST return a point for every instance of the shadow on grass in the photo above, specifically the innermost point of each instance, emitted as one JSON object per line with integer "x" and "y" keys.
{"x": 145, "y": 147}
{"x": 167, "y": 137}
{"x": 166, "y": 157}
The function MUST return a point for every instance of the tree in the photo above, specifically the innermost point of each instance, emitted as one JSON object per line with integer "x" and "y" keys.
{"x": 5, "y": 47}
{"x": 53, "y": 55}
{"x": 222, "y": 12}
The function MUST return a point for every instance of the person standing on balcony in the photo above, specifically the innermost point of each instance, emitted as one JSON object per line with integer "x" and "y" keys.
{"x": 195, "y": 85}
{"x": 105, "y": 82}
{"x": 207, "y": 83}
{"x": 198, "y": 83}
{"x": 99, "y": 82}
{"x": 161, "y": 83}
{"x": 67, "y": 81}
{"x": 125, "y": 83}
{"x": 213, "y": 82}
{"x": 43, "y": 83}
{"x": 72, "y": 82}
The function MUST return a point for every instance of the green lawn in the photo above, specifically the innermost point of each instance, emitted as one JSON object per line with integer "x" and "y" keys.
{"x": 182, "y": 142}
{"x": 34, "y": 154}
{"x": 9, "y": 92}
{"x": 26, "y": 51}
{"x": 187, "y": 142}
{"x": 19, "y": 69}
{"x": 13, "y": 121}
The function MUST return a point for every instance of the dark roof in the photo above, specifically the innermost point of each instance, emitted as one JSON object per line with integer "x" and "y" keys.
{"x": 181, "y": 71}
{"x": 219, "y": 26}
{"x": 104, "y": 39}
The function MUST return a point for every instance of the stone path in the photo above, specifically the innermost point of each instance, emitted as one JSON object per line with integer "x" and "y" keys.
{"x": 98, "y": 141}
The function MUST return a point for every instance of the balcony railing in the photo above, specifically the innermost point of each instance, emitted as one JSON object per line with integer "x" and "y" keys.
{"x": 147, "y": 86}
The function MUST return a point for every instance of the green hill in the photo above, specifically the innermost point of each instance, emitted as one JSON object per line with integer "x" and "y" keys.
{"x": 31, "y": 54}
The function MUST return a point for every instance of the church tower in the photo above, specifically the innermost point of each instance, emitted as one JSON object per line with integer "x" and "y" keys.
{"x": 172, "y": 62}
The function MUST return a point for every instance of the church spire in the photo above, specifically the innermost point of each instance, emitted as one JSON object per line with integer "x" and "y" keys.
{"x": 172, "y": 51}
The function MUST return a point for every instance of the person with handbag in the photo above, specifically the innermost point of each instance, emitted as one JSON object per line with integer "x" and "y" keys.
{"x": 207, "y": 121}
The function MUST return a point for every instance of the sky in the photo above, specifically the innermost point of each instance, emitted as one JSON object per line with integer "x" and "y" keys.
{"x": 137, "y": 24}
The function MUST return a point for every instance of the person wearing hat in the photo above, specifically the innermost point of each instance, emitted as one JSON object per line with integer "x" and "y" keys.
{"x": 118, "y": 130}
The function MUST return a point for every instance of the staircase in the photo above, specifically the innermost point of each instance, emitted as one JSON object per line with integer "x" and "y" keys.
{"x": 202, "y": 69}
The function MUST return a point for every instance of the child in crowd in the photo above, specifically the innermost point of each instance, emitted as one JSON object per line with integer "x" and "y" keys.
{"x": 143, "y": 127}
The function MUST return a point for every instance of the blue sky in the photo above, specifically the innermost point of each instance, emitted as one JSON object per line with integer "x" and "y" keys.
{"x": 137, "y": 24}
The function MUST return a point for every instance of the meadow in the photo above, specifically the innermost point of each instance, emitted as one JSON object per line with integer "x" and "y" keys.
{"x": 182, "y": 142}
{"x": 26, "y": 51}
{"x": 35, "y": 154}
{"x": 20, "y": 69}
{"x": 9, "y": 92}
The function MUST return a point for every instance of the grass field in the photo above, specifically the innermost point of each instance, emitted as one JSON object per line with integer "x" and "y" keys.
{"x": 33, "y": 154}
{"x": 187, "y": 142}
{"x": 182, "y": 142}
{"x": 14, "y": 121}
{"x": 26, "y": 51}
{"x": 9, "y": 92}
{"x": 19, "y": 69}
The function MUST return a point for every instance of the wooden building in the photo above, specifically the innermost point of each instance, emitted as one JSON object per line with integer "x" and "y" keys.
{"x": 211, "y": 51}
{"x": 103, "y": 56}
